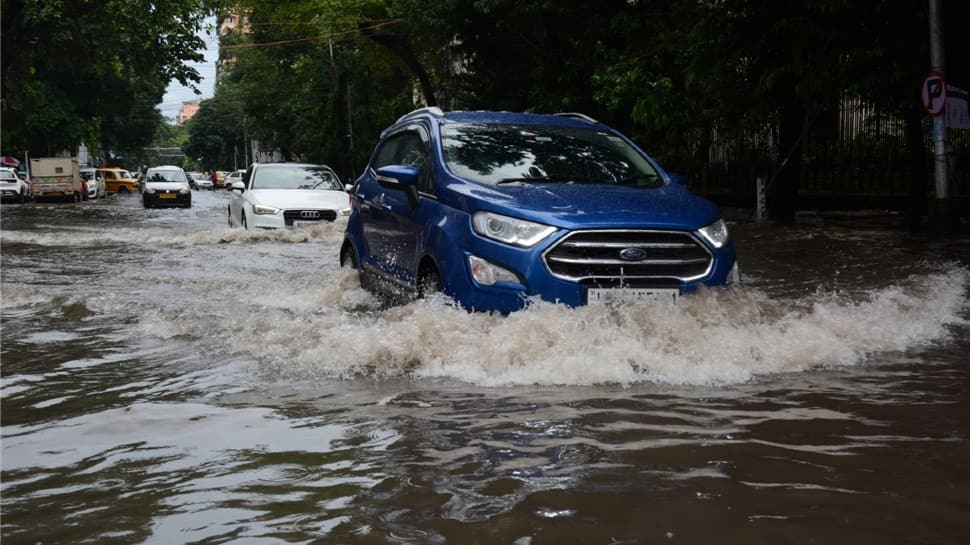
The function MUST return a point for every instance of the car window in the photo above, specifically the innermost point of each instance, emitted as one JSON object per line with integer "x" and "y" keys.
{"x": 166, "y": 176}
{"x": 295, "y": 177}
{"x": 408, "y": 148}
{"x": 492, "y": 153}
{"x": 8, "y": 176}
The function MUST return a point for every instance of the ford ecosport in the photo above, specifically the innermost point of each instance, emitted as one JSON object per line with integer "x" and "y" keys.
{"x": 497, "y": 208}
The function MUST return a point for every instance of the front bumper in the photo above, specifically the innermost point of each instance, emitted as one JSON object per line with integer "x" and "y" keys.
{"x": 167, "y": 198}
{"x": 537, "y": 281}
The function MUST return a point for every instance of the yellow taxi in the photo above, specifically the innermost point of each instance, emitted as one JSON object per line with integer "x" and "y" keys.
{"x": 118, "y": 180}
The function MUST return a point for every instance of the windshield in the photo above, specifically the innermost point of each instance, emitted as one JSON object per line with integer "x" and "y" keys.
{"x": 495, "y": 154}
{"x": 295, "y": 177}
{"x": 166, "y": 176}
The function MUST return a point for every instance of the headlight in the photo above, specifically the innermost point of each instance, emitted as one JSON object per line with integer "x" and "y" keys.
{"x": 149, "y": 190}
{"x": 263, "y": 209}
{"x": 716, "y": 233}
{"x": 184, "y": 190}
{"x": 525, "y": 234}
{"x": 344, "y": 211}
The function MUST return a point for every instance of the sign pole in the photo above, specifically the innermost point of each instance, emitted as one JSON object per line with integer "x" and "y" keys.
{"x": 944, "y": 217}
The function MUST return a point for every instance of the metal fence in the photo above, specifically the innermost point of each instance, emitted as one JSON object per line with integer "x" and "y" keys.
{"x": 854, "y": 154}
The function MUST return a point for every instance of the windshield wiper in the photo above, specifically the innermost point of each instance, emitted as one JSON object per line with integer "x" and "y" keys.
{"x": 551, "y": 179}
{"x": 630, "y": 180}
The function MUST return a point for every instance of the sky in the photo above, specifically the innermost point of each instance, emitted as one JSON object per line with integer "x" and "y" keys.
{"x": 177, "y": 93}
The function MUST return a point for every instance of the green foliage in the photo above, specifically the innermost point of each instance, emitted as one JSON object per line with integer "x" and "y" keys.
{"x": 92, "y": 72}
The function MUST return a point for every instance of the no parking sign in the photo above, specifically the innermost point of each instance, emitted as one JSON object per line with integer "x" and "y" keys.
{"x": 933, "y": 93}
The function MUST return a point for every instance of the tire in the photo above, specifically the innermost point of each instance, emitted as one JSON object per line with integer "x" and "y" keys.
{"x": 244, "y": 225}
{"x": 23, "y": 197}
{"x": 123, "y": 189}
{"x": 229, "y": 215}
{"x": 348, "y": 257}
{"x": 429, "y": 282}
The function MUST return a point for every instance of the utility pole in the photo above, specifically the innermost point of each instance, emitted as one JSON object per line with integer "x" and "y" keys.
{"x": 944, "y": 215}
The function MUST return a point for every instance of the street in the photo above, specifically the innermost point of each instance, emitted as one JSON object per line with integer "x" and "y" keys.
{"x": 167, "y": 379}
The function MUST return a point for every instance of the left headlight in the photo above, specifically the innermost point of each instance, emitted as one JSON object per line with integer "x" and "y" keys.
{"x": 716, "y": 233}
{"x": 264, "y": 209}
{"x": 525, "y": 234}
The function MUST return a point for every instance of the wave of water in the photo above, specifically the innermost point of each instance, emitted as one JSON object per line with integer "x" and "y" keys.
{"x": 95, "y": 237}
{"x": 714, "y": 337}
{"x": 318, "y": 322}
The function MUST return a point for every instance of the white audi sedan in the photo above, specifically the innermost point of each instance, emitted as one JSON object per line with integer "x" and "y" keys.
{"x": 279, "y": 195}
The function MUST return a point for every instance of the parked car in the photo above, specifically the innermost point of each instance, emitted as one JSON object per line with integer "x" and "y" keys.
{"x": 118, "y": 180}
{"x": 494, "y": 208}
{"x": 278, "y": 195}
{"x": 233, "y": 177}
{"x": 12, "y": 186}
{"x": 166, "y": 186}
{"x": 94, "y": 184}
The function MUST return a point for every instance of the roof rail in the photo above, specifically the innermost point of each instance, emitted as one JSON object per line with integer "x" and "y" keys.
{"x": 433, "y": 110}
{"x": 577, "y": 115}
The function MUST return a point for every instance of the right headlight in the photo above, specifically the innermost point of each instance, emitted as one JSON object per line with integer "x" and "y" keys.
{"x": 524, "y": 234}
{"x": 264, "y": 209}
{"x": 716, "y": 233}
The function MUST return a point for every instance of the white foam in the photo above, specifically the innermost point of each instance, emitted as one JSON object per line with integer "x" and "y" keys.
{"x": 712, "y": 337}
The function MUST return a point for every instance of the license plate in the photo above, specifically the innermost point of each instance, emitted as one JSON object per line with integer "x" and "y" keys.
{"x": 298, "y": 223}
{"x": 599, "y": 296}
{"x": 167, "y": 196}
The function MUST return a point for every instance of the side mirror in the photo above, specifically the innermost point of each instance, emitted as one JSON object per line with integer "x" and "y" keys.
{"x": 397, "y": 177}
{"x": 401, "y": 177}
{"x": 678, "y": 179}
{"x": 348, "y": 187}
{"x": 238, "y": 186}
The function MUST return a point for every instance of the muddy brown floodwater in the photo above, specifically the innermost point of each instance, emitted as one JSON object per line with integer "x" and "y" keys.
{"x": 167, "y": 380}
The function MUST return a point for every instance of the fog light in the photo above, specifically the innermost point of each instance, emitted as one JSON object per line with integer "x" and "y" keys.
{"x": 487, "y": 274}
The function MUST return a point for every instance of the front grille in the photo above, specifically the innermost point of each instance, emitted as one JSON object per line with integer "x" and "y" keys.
{"x": 289, "y": 216}
{"x": 629, "y": 257}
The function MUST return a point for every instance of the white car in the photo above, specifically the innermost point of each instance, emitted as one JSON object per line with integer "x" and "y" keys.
{"x": 279, "y": 195}
{"x": 202, "y": 180}
{"x": 233, "y": 177}
{"x": 166, "y": 186}
{"x": 12, "y": 186}
{"x": 94, "y": 184}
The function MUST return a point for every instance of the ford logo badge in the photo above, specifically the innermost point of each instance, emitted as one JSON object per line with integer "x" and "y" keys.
{"x": 633, "y": 254}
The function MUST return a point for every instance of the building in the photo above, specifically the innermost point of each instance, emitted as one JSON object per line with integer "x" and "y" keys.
{"x": 187, "y": 110}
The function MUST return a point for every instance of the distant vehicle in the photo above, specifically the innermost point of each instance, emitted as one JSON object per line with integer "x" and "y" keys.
{"x": 12, "y": 186}
{"x": 166, "y": 186}
{"x": 221, "y": 179}
{"x": 495, "y": 208}
{"x": 233, "y": 177}
{"x": 96, "y": 188}
{"x": 279, "y": 195}
{"x": 56, "y": 178}
{"x": 118, "y": 180}
{"x": 200, "y": 180}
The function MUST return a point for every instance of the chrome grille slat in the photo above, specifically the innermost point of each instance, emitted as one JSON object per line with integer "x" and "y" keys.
{"x": 625, "y": 245}
{"x": 626, "y": 263}
{"x": 594, "y": 255}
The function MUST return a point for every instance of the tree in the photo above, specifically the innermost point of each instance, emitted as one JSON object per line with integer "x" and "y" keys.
{"x": 92, "y": 72}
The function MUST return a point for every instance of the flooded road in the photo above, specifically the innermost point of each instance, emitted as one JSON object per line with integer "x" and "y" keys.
{"x": 168, "y": 380}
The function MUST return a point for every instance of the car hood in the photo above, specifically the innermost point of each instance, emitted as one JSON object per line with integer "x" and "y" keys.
{"x": 166, "y": 186}
{"x": 300, "y": 199}
{"x": 595, "y": 205}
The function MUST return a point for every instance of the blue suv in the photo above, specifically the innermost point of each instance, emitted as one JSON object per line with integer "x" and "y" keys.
{"x": 496, "y": 208}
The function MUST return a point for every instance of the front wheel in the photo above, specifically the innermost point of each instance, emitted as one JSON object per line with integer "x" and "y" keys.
{"x": 429, "y": 282}
{"x": 229, "y": 214}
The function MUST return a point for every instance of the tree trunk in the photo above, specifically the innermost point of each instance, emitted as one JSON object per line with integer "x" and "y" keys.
{"x": 783, "y": 190}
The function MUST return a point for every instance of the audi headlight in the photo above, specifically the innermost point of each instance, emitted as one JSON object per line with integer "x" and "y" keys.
{"x": 716, "y": 233}
{"x": 525, "y": 234}
{"x": 262, "y": 209}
